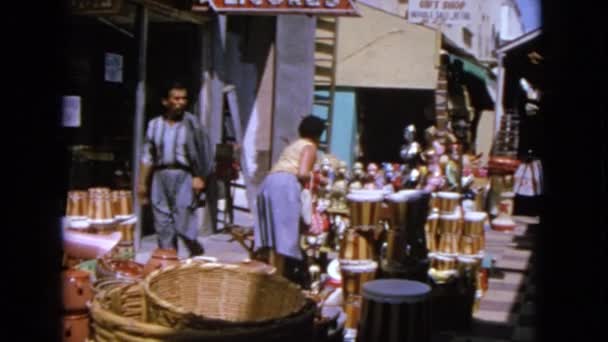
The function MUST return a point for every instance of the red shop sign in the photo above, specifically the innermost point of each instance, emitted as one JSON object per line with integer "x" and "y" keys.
{"x": 317, "y": 7}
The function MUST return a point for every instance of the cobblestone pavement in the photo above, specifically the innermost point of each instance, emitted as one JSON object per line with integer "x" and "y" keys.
{"x": 507, "y": 312}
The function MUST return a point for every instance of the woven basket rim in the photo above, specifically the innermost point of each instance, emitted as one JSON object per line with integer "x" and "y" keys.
{"x": 166, "y": 305}
{"x": 102, "y": 315}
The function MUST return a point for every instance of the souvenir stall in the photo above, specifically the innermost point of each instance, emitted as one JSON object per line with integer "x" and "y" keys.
{"x": 423, "y": 220}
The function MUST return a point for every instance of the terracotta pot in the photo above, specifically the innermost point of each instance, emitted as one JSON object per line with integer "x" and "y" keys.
{"x": 118, "y": 269}
{"x": 257, "y": 266}
{"x": 77, "y": 290}
{"x": 75, "y": 328}
{"x": 161, "y": 258}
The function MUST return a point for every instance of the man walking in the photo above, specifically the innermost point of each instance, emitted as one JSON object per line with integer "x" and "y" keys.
{"x": 178, "y": 158}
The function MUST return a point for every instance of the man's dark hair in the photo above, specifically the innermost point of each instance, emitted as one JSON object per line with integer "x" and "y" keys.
{"x": 170, "y": 86}
{"x": 311, "y": 127}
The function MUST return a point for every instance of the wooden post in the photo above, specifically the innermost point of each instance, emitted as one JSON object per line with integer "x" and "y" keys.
{"x": 141, "y": 24}
{"x": 498, "y": 107}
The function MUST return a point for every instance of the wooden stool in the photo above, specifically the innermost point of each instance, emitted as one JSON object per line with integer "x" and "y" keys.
{"x": 244, "y": 236}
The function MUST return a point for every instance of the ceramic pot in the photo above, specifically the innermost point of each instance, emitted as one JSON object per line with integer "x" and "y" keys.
{"x": 75, "y": 328}
{"x": 118, "y": 269}
{"x": 160, "y": 258}
{"x": 77, "y": 290}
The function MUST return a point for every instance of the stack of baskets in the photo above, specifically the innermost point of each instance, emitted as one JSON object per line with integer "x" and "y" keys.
{"x": 204, "y": 301}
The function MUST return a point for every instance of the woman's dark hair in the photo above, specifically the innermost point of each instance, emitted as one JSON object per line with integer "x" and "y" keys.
{"x": 311, "y": 127}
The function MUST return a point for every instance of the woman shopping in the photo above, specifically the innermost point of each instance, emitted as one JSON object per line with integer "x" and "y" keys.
{"x": 279, "y": 206}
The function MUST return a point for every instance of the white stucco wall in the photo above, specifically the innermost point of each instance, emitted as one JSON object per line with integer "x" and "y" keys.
{"x": 382, "y": 50}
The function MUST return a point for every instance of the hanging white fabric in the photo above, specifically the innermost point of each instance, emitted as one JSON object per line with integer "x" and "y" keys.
{"x": 528, "y": 179}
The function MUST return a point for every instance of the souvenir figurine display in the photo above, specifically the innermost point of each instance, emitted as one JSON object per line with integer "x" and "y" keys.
{"x": 411, "y": 154}
{"x": 453, "y": 168}
{"x": 371, "y": 178}
{"x": 389, "y": 177}
{"x": 358, "y": 177}
{"x": 327, "y": 174}
{"x": 420, "y": 219}
{"x": 339, "y": 188}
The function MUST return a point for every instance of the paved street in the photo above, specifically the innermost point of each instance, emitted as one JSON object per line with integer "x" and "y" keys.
{"x": 506, "y": 312}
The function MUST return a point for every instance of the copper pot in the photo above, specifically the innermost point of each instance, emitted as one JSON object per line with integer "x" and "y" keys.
{"x": 365, "y": 210}
{"x": 443, "y": 263}
{"x": 396, "y": 246}
{"x": 75, "y": 328}
{"x": 127, "y": 232}
{"x": 434, "y": 201}
{"x": 100, "y": 205}
{"x": 448, "y": 243}
{"x": 77, "y": 290}
{"x": 478, "y": 242}
{"x": 469, "y": 265}
{"x": 468, "y": 245}
{"x": 352, "y": 309}
{"x": 474, "y": 222}
{"x": 77, "y": 204}
{"x": 356, "y": 246}
{"x": 432, "y": 223}
{"x": 355, "y": 275}
{"x": 160, "y": 258}
{"x": 431, "y": 241}
{"x": 122, "y": 203}
{"x": 451, "y": 224}
{"x": 448, "y": 201}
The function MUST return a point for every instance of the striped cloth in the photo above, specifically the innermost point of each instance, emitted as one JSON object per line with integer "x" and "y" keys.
{"x": 165, "y": 141}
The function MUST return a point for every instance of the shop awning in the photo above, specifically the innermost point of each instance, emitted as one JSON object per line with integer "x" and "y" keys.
{"x": 479, "y": 71}
{"x": 381, "y": 50}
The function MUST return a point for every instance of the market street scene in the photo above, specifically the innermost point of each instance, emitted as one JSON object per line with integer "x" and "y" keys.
{"x": 288, "y": 170}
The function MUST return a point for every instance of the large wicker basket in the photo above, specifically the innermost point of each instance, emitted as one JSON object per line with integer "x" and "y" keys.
{"x": 219, "y": 296}
{"x": 118, "y": 315}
